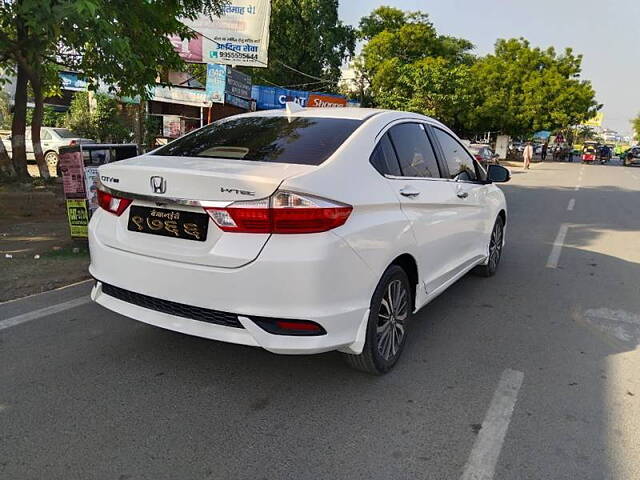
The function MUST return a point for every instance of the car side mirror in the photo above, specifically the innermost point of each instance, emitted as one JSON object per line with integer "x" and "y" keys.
{"x": 498, "y": 174}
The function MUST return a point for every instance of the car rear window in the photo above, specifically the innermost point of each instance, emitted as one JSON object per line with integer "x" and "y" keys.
{"x": 298, "y": 140}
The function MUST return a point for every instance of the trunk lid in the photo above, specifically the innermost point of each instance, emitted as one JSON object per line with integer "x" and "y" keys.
{"x": 197, "y": 179}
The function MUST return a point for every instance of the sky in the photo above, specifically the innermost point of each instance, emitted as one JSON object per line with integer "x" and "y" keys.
{"x": 605, "y": 32}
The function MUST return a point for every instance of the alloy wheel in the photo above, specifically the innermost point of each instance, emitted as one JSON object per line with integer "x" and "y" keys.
{"x": 51, "y": 158}
{"x": 495, "y": 247}
{"x": 392, "y": 317}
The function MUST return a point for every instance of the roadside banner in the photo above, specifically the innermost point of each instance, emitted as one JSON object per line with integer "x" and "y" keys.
{"x": 171, "y": 126}
{"x": 72, "y": 169}
{"x": 595, "y": 121}
{"x": 240, "y": 36}
{"x": 78, "y": 217}
{"x": 91, "y": 186}
{"x": 502, "y": 146}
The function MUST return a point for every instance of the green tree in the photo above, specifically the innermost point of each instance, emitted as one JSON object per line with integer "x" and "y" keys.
{"x": 120, "y": 42}
{"x": 520, "y": 90}
{"x": 306, "y": 39}
{"x": 104, "y": 122}
{"x": 431, "y": 86}
{"x": 409, "y": 66}
{"x": 386, "y": 18}
{"x": 6, "y": 167}
{"x": 635, "y": 123}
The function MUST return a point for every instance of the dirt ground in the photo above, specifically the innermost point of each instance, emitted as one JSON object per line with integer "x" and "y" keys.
{"x": 36, "y": 250}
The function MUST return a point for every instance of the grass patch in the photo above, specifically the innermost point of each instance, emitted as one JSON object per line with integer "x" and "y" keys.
{"x": 67, "y": 252}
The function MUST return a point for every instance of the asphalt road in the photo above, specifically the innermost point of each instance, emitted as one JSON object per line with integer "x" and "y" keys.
{"x": 88, "y": 394}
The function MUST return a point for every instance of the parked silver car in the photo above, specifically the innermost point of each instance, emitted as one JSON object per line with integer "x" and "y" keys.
{"x": 483, "y": 154}
{"x": 52, "y": 139}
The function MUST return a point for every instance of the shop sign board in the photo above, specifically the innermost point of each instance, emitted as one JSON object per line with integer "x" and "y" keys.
{"x": 216, "y": 82}
{"x": 181, "y": 95}
{"x": 73, "y": 82}
{"x": 316, "y": 100}
{"x": 238, "y": 102}
{"x": 268, "y": 98}
{"x": 238, "y": 83}
{"x": 240, "y": 36}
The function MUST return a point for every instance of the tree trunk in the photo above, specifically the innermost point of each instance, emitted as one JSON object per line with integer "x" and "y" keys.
{"x": 19, "y": 125}
{"x": 6, "y": 167}
{"x": 36, "y": 125}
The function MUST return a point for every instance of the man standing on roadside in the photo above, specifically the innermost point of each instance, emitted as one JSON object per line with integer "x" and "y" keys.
{"x": 527, "y": 155}
{"x": 543, "y": 152}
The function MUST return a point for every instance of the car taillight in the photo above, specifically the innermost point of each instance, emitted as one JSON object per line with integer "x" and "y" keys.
{"x": 73, "y": 142}
{"x": 284, "y": 212}
{"x": 479, "y": 158}
{"x": 112, "y": 204}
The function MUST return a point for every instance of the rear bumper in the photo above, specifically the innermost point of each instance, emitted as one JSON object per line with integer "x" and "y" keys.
{"x": 301, "y": 277}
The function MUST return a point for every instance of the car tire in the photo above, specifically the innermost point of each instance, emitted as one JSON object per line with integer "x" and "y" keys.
{"x": 495, "y": 251}
{"x": 387, "y": 325}
{"x": 51, "y": 158}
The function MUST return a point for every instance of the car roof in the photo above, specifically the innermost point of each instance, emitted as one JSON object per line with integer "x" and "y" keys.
{"x": 354, "y": 113}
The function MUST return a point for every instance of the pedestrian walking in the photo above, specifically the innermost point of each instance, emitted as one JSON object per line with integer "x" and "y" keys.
{"x": 527, "y": 155}
{"x": 543, "y": 152}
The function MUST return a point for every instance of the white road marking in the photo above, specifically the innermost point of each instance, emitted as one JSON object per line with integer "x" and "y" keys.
{"x": 486, "y": 449}
{"x": 554, "y": 256}
{"x": 577, "y": 188}
{"x": 572, "y": 203}
{"x": 43, "y": 312}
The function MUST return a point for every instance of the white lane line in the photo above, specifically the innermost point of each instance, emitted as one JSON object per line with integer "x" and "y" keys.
{"x": 554, "y": 256}
{"x": 486, "y": 449}
{"x": 43, "y": 312}
{"x": 577, "y": 187}
{"x": 572, "y": 203}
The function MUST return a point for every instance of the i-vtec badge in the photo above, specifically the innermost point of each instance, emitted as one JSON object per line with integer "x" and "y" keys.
{"x": 158, "y": 184}
{"x": 237, "y": 191}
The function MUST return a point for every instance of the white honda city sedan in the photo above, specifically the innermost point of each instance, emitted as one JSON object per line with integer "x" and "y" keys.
{"x": 299, "y": 231}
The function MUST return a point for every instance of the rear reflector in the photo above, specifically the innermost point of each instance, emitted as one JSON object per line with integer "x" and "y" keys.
{"x": 289, "y": 327}
{"x": 284, "y": 212}
{"x": 112, "y": 204}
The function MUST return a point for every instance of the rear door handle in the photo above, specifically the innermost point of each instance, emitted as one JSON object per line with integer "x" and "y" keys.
{"x": 462, "y": 194}
{"x": 407, "y": 192}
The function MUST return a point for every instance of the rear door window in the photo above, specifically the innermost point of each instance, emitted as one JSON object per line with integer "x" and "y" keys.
{"x": 278, "y": 139}
{"x": 415, "y": 153}
{"x": 384, "y": 158}
{"x": 460, "y": 163}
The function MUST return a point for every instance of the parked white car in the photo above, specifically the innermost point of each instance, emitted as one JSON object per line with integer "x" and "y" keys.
{"x": 51, "y": 138}
{"x": 298, "y": 231}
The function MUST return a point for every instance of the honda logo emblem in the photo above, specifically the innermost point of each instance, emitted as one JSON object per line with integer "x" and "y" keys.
{"x": 158, "y": 185}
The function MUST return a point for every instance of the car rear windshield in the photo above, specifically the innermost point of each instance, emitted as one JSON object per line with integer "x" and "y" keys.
{"x": 64, "y": 133}
{"x": 299, "y": 140}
